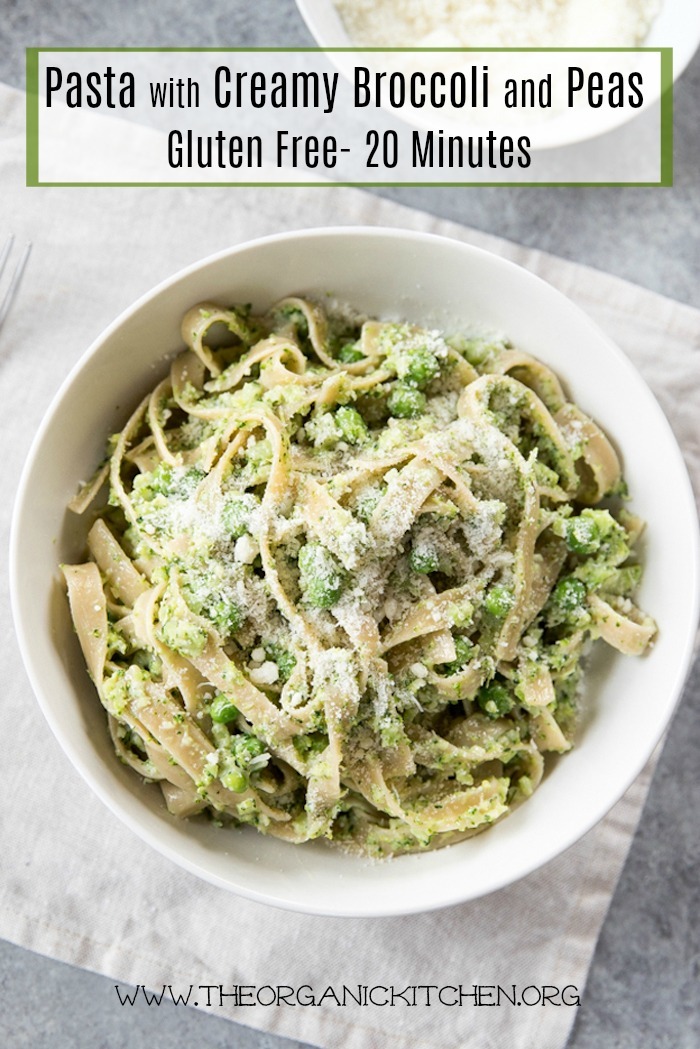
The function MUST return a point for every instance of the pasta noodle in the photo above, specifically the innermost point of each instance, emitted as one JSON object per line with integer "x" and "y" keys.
{"x": 346, "y": 575}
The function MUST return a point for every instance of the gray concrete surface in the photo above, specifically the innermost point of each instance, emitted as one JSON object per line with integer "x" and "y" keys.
{"x": 643, "y": 987}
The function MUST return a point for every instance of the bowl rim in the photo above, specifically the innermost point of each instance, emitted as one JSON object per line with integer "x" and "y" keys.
{"x": 365, "y": 907}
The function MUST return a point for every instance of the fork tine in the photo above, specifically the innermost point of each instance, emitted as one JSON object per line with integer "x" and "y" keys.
{"x": 5, "y": 253}
{"x": 15, "y": 280}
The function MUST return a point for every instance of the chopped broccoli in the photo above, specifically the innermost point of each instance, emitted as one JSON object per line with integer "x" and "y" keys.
{"x": 328, "y": 428}
{"x": 226, "y": 616}
{"x": 424, "y": 558}
{"x": 350, "y": 353}
{"x": 464, "y": 649}
{"x": 170, "y": 481}
{"x": 246, "y": 754}
{"x": 186, "y": 638}
{"x": 623, "y": 581}
{"x": 495, "y": 700}
{"x": 246, "y": 748}
{"x": 236, "y": 513}
{"x": 351, "y": 425}
{"x": 311, "y": 744}
{"x": 282, "y": 657}
{"x": 367, "y": 501}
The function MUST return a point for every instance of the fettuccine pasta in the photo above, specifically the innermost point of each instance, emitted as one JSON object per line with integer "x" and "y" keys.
{"x": 346, "y": 575}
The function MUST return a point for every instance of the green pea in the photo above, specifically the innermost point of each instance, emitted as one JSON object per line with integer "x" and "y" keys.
{"x": 498, "y": 601}
{"x": 494, "y": 700}
{"x": 235, "y": 780}
{"x": 222, "y": 710}
{"x": 582, "y": 535}
{"x": 351, "y": 425}
{"x": 568, "y": 595}
{"x": 406, "y": 402}
{"x": 320, "y": 576}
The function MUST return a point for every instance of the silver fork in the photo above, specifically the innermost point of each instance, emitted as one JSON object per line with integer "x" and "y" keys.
{"x": 16, "y": 277}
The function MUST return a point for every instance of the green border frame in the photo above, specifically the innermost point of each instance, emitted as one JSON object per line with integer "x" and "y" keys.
{"x": 32, "y": 117}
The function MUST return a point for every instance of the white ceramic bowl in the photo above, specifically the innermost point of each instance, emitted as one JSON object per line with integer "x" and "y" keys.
{"x": 433, "y": 281}
{"x": 677, "y": 26}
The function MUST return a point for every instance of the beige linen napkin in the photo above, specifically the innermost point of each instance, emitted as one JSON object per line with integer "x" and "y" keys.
{"x": 77, "y": 885}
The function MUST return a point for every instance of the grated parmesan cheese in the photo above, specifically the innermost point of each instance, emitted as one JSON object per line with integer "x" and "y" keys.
{"x": 246, "y": 550}
{"x": 498, "y": 23}
{"x": 267, "y": 674}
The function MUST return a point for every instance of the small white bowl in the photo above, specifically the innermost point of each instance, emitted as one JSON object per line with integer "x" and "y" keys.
{"x": 435, "y": 282}
{"x": 677, "y": 26}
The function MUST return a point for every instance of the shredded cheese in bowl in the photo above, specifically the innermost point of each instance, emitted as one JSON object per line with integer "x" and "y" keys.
{"x": 498, "y": 23}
